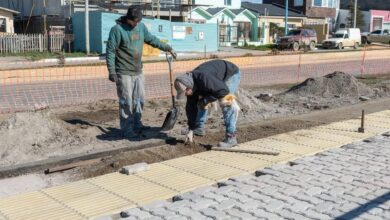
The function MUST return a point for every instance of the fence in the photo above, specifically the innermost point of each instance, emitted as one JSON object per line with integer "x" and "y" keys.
{"x": 21, "y": 43}
{"x": 42, "y": 85}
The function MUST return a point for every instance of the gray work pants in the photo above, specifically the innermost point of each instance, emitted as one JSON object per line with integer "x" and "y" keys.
{"x": 131, "y": 94}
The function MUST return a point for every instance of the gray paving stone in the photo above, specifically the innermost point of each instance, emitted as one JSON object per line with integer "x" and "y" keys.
{"x": 260, "y": 196}
{"x": 287, "y": 214}
{"x": 240, "y": 214}
{"x": 212, "y": 213}
{"x": 368, "y": 216}
{"x": 306, "y": 198}
{"x": 324, "y": 206}
{"x": 177, "y": 218}
{"x": 215, "y": 197}
{"x": 157, "y": 204}
{"x": 358, "y": 192}
{"x": 227, "y": 204}
{"x": 274, "y": 205}
{"x": 328, "y": 198}
{"x": 314, "y": 191}
{"x": 190, "y": 213}
{"x": 316, "y": 215}
{"x": 239, "y": 197}
{"x": 202, "y": 204}
{"x": 162, "y": 212}
{"x": 248, "y": 206}
{"x": 300, "y": 206}
{"x": 291, "y": 190}
{"x": 261, "y": 213}
{"x": 139, "y": 213}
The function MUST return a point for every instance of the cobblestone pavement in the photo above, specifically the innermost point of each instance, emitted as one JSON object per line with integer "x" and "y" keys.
{"x": 352, "y": 182}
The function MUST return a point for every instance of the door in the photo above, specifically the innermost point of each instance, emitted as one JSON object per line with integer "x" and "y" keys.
{"x": 385, "y": 38}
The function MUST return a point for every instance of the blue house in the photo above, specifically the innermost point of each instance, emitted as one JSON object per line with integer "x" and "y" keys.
{"x": 184, "y": 37}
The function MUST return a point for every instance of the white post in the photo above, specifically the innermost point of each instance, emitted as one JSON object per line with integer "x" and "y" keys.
{"x": 87, "y": 27}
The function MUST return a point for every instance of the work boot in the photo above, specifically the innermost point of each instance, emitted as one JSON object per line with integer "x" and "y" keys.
{"x": 229, "y": 141}
{"x": 199, "y": 132}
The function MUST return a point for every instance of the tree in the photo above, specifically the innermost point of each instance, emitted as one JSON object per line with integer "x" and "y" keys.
{"x": 359, "y": 16}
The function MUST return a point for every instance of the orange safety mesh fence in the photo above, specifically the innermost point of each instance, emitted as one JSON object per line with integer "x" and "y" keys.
{"x": 32, "y": 85}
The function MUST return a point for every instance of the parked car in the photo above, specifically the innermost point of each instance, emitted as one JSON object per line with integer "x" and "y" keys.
{"x": 297, "y": 39}
{"x": 344, "y": 38}
{"x": 377, "y": 36}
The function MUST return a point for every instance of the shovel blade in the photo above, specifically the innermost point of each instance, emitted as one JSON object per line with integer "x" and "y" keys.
{"x": 170, "y": 119}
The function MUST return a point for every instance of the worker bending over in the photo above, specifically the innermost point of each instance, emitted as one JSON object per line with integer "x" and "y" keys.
{"x": 215, "y": 80}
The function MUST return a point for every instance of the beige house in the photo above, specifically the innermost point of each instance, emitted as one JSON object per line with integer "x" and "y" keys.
{"x": 7, "y": 20}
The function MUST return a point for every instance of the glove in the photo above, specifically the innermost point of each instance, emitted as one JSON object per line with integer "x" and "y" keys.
{"x": 227, "y": 100}
{"x": 113, "y": 77}
{"x": 173, "y": 53}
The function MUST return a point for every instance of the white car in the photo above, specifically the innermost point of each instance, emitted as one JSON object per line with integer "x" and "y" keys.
{"x": 344, "y": 38}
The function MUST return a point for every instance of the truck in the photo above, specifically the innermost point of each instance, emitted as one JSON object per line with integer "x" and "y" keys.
{"x": 297, "y": 39}
{"x": 349, "y": 37}
{"x": 377, "y": 36}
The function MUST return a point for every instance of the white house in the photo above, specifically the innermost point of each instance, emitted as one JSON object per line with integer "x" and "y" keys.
{"x": 7, "y": 20}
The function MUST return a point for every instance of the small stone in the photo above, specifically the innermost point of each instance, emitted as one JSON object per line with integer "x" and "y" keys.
{"x": 264, "y": 96}
{"x": 135, "y": 168}
{"x": 364, "y": 98}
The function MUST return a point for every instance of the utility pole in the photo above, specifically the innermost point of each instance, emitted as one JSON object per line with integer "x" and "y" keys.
{"x": 87, "y": 27}
{"x": 286, "y": 19}
{"x": 44, "y": 17}
{"x": 354, "y": 14}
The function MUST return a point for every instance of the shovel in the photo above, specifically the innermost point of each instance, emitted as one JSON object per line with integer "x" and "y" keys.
{"x": 173, "y": 114}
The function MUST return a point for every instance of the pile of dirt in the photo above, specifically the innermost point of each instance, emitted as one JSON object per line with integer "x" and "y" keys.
{"x": 32, "y": 135}
{"x": 337, "y": 84}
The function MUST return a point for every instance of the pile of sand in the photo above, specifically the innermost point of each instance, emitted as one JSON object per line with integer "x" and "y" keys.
{"x": 32, "y": 136}
{"x": 334, "y": 84}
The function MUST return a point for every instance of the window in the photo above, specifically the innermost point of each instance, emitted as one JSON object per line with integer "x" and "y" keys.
{"x": 228, "y": 2}
{"x": 317, "y": 3}
{"x": 298, "y": 3}
{"x": 324, "y": 3}
{"x": 3, "y": 25}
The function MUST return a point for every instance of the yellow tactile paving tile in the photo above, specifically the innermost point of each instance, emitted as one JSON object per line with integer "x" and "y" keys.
{"x": 353, "y": 134}
{"x": 235, "y": 160}
{"x": 35, "y": 205}
{"x": 354, "y": 125}
{"x": 81, "y": 197}
{"x": 277, "y": 146}
{"x": 172, "y": 178}
{"x": 206, "y": 169}
{"x": 306, "y": 141}
{"x": 133, "y": 188}
{"x": 372, "y": 126}
{"x": 324, "y": 136}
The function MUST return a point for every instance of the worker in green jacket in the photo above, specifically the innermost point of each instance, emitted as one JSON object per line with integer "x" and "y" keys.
{"x": 124, "y": 63}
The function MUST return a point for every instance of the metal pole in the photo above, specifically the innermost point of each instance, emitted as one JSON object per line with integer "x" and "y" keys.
{"x": 44, "y": 17}
{"x": 355, "y": 14}
{"x": 87, "y": 27}
{"x": 170, "y": 14}
{"x": 286, "y": 18}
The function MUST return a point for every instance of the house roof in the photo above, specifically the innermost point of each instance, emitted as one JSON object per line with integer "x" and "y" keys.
{"x": 9, "y": 10}
{"x": 214, "y": 11}
{"x": 237, "y": 11}
{"x": 271, "y": 9}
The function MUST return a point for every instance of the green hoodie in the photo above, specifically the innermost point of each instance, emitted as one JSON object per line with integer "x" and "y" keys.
{"x": 125, "y": 48}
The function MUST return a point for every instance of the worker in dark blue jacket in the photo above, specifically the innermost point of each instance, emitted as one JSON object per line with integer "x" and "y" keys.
{"x": 215, "y": 80}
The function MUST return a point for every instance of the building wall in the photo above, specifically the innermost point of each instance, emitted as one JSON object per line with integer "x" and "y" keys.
{"x": 384, "y": 15}
{"x": 343, "y": 19}
{"x": 313, "y": 11}
{"x": 35, "y": 8}
{"x": 265, "y": 22}
{"x": 235, "y": 4}
{"x": 102, "y": 22}
{"x": 9, "y": 20}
